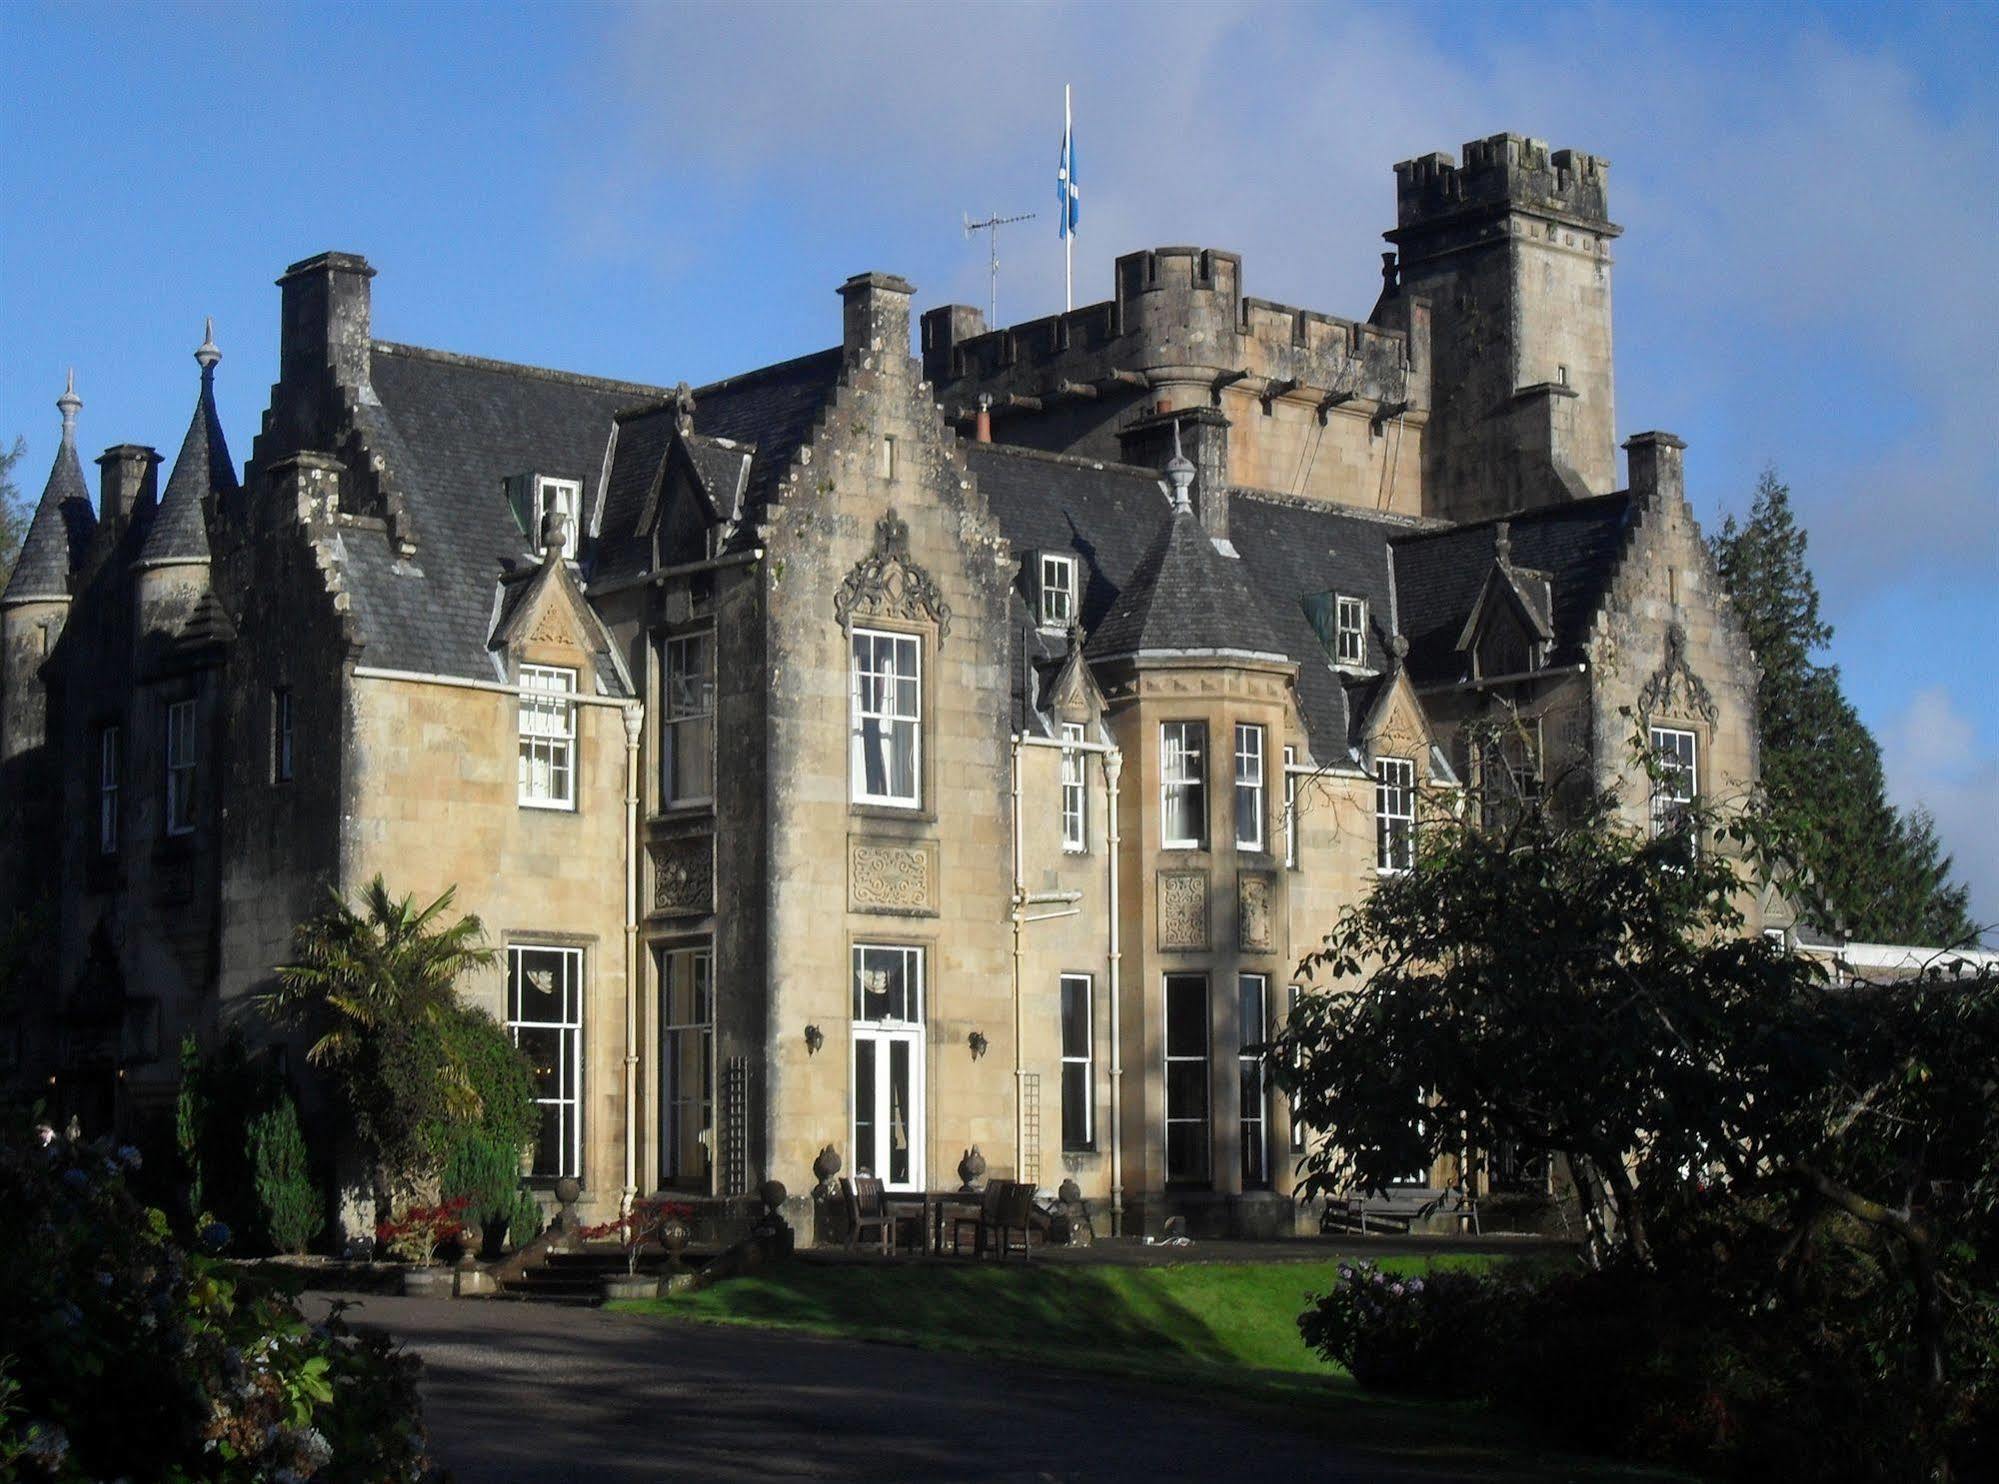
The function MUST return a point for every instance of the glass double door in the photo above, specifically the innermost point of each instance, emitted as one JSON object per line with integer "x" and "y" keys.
{"x": 887, "y": 1071}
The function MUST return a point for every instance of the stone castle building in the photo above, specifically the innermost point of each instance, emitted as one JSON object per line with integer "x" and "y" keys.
{"x": 906, "y": 747}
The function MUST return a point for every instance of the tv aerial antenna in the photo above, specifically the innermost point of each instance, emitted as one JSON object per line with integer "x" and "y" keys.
{"x": 990, "y": 226}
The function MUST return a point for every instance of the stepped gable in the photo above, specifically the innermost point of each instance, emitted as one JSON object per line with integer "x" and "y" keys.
{"x": 451, "y": 430}
{"x": 1440, "y": 574}
{"x": 203, "y": 478}
{"x": 63, "y": 522}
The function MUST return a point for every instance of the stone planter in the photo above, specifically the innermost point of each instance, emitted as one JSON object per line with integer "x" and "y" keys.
{"x": 630, "y": 1286}
{"x": 429, "y": 1282}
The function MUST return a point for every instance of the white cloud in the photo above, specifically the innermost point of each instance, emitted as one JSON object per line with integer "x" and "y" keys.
{"x": 1933, "y": 762}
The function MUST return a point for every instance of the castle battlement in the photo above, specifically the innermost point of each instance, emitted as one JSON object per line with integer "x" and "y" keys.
{"x": 1178, "y": 312}
{"x": 1505, "y": 172}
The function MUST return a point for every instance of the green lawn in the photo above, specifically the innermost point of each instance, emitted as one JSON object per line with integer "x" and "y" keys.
{"x": 1229, "y": 1330}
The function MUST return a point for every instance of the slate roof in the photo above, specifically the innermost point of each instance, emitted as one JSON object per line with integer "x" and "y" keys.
{"x": 203, "y": 477}
{"x": 451, "y": 430}
{"x": 774, "y": 408}
{"x": 1111, "y": 515}
{"x": 1440, "y": 574}
{"x": 62, "y": 525}
{"x": 1185, "y": 596}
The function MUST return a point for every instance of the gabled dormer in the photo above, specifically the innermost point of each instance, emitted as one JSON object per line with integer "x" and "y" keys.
{"x": 535, "y": 494}
{"x": 1511, "y": 626}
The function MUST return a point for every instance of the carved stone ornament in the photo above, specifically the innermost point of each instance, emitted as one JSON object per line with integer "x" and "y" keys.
{"x": 891, "y": 876}
{"x": 888, "y": 584}
{"x": 1256, "y": 926}
{"x": 550, "y": 626}
{"x": 1674, "y": 687}
{"x": 1183, "y": 909}
{"x": 683, "y": 875}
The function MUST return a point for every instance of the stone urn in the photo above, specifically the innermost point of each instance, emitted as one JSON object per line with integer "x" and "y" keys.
{"x": 825, "y": 1169}
{"x": 527, "y": 1159}
{"x": 971, "y": 1168}
{"x": 430, "y": 1282}
{"x": 630, "y": 1286}
{"x": 674, "y": 1235}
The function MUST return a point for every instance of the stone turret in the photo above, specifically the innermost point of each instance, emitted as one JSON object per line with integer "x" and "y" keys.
{"x": 35, "y": 605}
{"x": 1511, "y": 248}
{"x": 171, "y": 578}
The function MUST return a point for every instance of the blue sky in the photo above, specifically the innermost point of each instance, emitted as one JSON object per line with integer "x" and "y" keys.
{"x": 1807, "y": 278}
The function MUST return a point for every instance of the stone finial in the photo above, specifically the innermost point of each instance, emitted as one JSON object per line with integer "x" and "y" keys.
{"x": 1388, "y": 272}
{"x": 1502, "y": 543}
{"x": 69, "y": 404}
{"x": 682, "y": 398}
{"x": 1180, "y": 470}
{"x": 554, "y": 534}
{"x": 207, "y": 353}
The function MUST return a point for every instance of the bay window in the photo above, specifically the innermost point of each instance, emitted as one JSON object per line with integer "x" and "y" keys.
{"x": 1186, "y": 1077}
{"x": 1249, "y": 788}
{"x": 1183, "y": 785}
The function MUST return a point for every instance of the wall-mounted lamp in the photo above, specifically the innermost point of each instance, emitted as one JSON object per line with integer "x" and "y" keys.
{"x": 814, "y": 1039}
{"x": 977, "y": 1041}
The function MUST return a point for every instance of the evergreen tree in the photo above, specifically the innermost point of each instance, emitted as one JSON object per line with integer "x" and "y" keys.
{"x": 1869, "y": 870}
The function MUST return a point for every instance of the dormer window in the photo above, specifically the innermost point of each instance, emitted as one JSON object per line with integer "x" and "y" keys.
{"x": 1350, "y": 633}
{"x": 1057, "y": 591}
{"x": 565, "y": 495}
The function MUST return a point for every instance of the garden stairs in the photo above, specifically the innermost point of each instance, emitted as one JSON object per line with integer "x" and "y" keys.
{"x": 578, "y": 1277}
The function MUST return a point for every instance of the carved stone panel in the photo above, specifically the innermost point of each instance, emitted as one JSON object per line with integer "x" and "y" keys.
{"x": 1183, "y": 909}
{"x": 892, "y": 876}
{"x": 889, "y": 583}
{"x": 683, "y": 875}
{"x": 1256, "y": 912}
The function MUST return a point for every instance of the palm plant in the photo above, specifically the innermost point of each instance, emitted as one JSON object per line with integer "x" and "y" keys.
{"x": 378, "y": 986}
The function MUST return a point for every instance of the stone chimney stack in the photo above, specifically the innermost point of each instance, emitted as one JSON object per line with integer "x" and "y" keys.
{"x": 323, "y": 334}
{"x": 1658, "y": 468}
{"x": 128, "y": 479}
{"x": 875, "y": 319}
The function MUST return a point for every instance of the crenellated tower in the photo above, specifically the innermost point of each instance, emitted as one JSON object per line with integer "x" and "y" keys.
{"x": 1511, "y": 248}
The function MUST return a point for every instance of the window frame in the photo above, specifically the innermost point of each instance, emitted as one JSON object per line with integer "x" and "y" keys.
{"x": 857, "y": 714}
{"x": 1086, "y": 1060}
{"x": 284, "y": 755}
{"x": 1075, "y": 790}
{"x": 183, "y": 766}
{"x": 1343, "y": 605}
{"x": 110, "y": 786}
{"x": 1204, "y": 1120}
{"x": 560, "y": 745}
{"x": 1253, "y": 788}
{"x": 1043, "y": 589}
{"x": 672, "y": 721}
{"x": 569, "y": 498}
{"x": 1388, "y": 861}
{"x": 569, "y": 1073}
{"x": 700, "y": 961}
{"x": 1666, "y": 798}
{"x": 1196, "y": 782}
{"x": 1250, "y": 1069}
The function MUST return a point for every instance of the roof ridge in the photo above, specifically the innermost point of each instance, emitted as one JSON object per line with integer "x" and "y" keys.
{"x": 759, "y": 374}
{"x": 1070, "y": 460}
{"x": 520, "y": 368}
{"x": 1535, "y": 513}
{"x": 1413, "y": 523}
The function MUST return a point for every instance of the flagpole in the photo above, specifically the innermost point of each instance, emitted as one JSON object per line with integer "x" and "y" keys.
{"x": 1068, "y": 236}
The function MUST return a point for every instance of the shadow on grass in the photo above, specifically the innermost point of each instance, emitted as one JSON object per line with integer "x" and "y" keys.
{"x": 1224, "y": 1333}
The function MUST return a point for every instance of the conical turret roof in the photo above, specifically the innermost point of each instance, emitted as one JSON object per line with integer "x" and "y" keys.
{"x": 1185, "y": 597}
{"x": 63, "y": 521}
{"x": 202, "y": 478}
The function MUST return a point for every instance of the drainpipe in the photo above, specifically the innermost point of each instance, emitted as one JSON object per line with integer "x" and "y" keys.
{"x": 1019, "y": 908}
{"x": 1113, "y": 767}
{"x": 634, "y": 715}
{"x": 1113, "y": 761}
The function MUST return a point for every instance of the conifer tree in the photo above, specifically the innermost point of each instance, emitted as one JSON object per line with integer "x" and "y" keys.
{"x": 1871, "y": 871}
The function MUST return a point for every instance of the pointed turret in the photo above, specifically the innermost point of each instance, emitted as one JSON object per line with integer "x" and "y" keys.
{"x": 202, "y": 479}
{"x": 1185, "y": 596}
{"x": 62, "y": 524}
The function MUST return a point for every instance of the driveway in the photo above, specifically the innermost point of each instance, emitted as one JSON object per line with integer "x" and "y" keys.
{"x": 534, "y": 1392}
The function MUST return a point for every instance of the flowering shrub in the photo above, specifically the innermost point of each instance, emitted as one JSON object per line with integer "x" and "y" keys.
{"x": 641, "y": 1228}
{"x": 125, "y": 1355}
{"x": 1396, "y": 1333}
{"x": 416, "y": 1235}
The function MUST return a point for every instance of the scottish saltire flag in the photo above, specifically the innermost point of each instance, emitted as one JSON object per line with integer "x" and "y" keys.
{"x": 1067, "y": 192}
